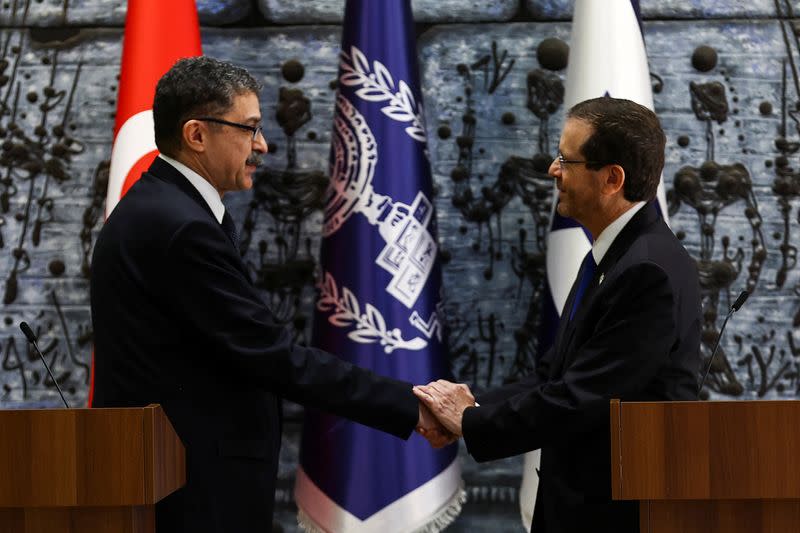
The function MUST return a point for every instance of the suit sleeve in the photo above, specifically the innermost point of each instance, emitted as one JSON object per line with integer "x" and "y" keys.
{"x": 629, "y": 343}
{"x": 217, "y": 302}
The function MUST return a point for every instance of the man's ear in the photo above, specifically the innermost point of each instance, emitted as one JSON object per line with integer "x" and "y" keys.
{"x": 614, "y": 180}
{"x": 194, "y": 135}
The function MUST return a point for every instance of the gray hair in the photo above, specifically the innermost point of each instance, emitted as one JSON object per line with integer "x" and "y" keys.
{"x": 193, "y": 87}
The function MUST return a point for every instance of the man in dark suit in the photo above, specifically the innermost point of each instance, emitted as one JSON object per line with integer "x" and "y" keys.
{"x": 177, "y": 320}
{"x": 630, "y": 328}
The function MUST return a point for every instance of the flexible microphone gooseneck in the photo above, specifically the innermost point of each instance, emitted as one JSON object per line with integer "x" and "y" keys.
{"x": 26, "y": 329}
{"x": 734, "y": 307}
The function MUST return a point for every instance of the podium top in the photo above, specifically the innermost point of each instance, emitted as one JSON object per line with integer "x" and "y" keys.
{"x": 716, "y": 450}
{"x": 88, "y": 457}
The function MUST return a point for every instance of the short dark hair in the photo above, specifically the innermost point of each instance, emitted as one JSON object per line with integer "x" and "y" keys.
{"x": 195, "y": 86}
{"x": 626, "y": 134}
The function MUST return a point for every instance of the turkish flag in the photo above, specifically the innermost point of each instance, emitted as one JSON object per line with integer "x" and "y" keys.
{"x": 157, "y": 34}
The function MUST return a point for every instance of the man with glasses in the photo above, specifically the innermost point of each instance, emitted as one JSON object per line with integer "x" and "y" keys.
{"x": 177, "y": 320}
{"x": 630, "y": 328}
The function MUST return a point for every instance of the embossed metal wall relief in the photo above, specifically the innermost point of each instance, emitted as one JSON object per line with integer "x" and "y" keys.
{"x": 287, "y": 197}
{"x": 522, "y": 177}
{"x": 739, "y": 185}
{"x": 46, "y": 220}
{"x": 498, "y": 200}
{"x": 708, "y": 189}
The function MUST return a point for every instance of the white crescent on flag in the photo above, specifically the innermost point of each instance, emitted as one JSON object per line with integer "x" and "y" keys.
{"x": 134, "y": 142}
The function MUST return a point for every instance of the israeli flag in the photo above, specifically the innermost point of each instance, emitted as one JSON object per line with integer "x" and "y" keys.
{"x": 607, "y": 57}
{"x": 379, "y": 293}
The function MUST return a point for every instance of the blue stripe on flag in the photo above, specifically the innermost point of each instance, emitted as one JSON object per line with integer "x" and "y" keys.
{"x": 638, "y": 11}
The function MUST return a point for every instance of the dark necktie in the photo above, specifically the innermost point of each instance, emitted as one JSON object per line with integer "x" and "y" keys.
{"x": 230, "y": 229}
{"x": 585, "y": 276}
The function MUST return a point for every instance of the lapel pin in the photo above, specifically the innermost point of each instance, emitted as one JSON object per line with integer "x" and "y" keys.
{"x": 602, "y": 277}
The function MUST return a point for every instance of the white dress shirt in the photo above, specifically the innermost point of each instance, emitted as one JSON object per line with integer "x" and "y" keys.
{"x": 607, "y": 236}
{"x": 206, "y": 190}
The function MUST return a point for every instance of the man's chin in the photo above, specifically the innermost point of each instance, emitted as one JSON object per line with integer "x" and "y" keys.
{"x": 247, "y": 179}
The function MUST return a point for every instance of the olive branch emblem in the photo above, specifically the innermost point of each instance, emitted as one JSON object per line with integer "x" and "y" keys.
{"x": 370, "y": 327}
{"x": 377, "y": 85}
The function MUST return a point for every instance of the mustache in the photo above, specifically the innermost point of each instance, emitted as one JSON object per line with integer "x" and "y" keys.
{"x": 254, "y": 159}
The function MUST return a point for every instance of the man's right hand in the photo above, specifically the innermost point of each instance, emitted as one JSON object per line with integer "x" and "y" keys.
{"x": 447, "y": 401}
{"x": 430, "y": 428}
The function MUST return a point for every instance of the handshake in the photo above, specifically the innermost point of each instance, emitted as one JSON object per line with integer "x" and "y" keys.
{"x": 441, "y": 407}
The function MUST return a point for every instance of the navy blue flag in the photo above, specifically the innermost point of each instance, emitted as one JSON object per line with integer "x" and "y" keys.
{"x": 379, "y": 300}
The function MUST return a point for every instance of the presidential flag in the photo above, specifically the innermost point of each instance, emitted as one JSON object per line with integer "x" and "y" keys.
{"x": 157, "y": 34}
{"x": 379, "y": 300}
{"x": 607, "y": 57}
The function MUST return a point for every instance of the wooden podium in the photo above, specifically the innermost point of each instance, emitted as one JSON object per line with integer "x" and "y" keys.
{"x": 708, "y": 467}
{"x": 86, "y": 470}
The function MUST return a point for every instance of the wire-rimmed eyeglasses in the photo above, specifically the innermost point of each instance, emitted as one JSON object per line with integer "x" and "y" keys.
{"x": 256, "y": 130}
{"x": 564, "y": 161}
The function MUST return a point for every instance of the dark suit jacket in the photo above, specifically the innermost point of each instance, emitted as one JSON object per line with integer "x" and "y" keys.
{"x": 635, "y": 336}
{"x": 178, "y": 322}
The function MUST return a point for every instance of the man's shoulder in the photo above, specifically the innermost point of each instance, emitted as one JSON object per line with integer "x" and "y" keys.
{"x": 153, "y": 198}
{"x": 656, "y": 248}
{"x": 150, "y": 215}
{"x": 657, "y": 240}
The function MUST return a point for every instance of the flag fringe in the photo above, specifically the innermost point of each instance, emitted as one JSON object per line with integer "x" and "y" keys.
{"x": 306, "y": 524}
{"x": 447, "y": 514}
{"x": 438, "y": 522}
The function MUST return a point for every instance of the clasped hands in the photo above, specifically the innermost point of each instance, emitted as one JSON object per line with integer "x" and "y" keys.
{"x": 441, "y": 408}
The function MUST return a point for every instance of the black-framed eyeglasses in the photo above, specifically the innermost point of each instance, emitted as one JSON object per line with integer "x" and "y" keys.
{"x": 256, "y": 130}
{"x": 564, "y": 161}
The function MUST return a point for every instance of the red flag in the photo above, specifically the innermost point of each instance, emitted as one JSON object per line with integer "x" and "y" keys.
{"x": 157, "y": 34}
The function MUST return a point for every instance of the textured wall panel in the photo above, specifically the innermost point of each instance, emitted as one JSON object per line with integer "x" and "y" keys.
{"x": 332, "y": 11}
{"x": 56, "y": 13}
{"x": 683, "y": 9}
{"x": 493, "y": 202}
{"x": 59, "y": 100}
{"x": 753, "y": 193}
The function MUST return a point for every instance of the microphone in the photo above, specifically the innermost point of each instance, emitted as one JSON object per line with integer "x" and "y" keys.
{"x": 734, "y": 307}
{"x": 26, "y": 329}
{"x": 740, "y": 300}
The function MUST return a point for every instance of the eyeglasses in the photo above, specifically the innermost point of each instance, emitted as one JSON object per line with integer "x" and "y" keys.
{"x": 563, "y": 161}
{"x": 255, "y": 129}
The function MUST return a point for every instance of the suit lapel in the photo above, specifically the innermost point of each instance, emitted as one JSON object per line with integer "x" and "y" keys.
{"x": 644, "y": 218}
{"x": 566, "y": 326}
{"x": 162, "y": 170}
{"x": 564, "y": 322}
{"x": 166, "y": 172}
